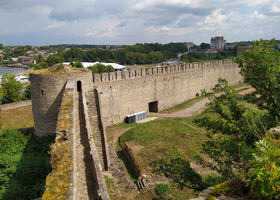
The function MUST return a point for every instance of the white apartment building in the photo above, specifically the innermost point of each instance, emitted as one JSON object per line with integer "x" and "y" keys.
{"x": 217, "y": 42}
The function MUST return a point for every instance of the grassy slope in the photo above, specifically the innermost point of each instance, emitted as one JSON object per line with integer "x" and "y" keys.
{"x": 170, "y": 138}
{"x": 17, "y": 118}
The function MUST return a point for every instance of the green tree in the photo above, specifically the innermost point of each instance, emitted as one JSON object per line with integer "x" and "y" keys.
{"x": 39, "y": 58}
{"x": 264, "y": 172}
{"x": 1, "y": 46}
{"x": 41, "y": 65}
{"x": 28, "y": 47}
{"x": 19, "y": 51}
{"x": 93, "y": 69}
{"x": 204, "y": 46}
{"x": 11, "y": 89}
{"x": 130, "y": 58}
{"x": 78, "y": 64}
{"x": 141, "y": 58}
{"x": 231, "y": 139}
{"x": 74, "y": 54}
{"x": 53, "y": 59}
{"x": 155, "y": 57}
{"x": 261, "y": 67}
{"x": 27, "y": 93}
{"x": 100, "y": 68}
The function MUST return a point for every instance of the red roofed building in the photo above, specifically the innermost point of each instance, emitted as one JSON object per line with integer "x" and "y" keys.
{"x": 26, "y": 61}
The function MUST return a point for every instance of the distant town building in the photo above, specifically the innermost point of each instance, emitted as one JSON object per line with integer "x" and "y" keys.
{"x": 189, "y": 44}
{"x": 14, "y": 59}
{"x": 26, "y": 61}
{"x": 212, "y": 50}
{"x": 229, "y": 46}
{"x": 217, "y": 42}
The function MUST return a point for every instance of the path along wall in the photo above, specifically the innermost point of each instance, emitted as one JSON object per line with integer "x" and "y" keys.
{"x": 128, "y": 92}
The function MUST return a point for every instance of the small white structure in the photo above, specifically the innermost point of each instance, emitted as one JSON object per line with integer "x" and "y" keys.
{"x": 116, "y": 66}
{"x": 21, "y": 78}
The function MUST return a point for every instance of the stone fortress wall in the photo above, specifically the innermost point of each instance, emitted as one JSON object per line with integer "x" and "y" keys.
{"x": 155, "y": 89}
{"x": 107, "y": 98}
{"x": 128, "y": 92}
{"x": 47, "y": 92}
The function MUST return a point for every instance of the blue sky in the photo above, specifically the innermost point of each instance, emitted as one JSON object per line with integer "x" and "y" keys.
{"x": 46, "y": 22}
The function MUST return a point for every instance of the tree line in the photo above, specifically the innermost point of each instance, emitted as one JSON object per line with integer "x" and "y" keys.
{"x": 147, "y": 53}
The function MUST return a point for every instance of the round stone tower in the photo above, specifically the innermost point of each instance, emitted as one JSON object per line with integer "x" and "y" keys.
{"x": 47, "y": 87}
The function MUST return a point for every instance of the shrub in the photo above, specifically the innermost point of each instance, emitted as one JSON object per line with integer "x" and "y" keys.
{"x": 264, "y": 173}
{"x": 161, "y": 189}
{"x": 212, "y": 179}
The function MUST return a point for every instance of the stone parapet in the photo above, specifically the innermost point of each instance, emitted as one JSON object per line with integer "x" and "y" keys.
{"x": 185, "y": 67}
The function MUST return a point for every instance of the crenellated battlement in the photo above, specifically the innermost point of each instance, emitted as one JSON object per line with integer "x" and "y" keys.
{"x": 115, "y": 76}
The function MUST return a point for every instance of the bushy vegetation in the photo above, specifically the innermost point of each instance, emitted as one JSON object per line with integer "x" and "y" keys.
{"x": 263, "y": 176}
{"x": 261, "y": 68}
{"x": 24, "y": 165}
{"x": 201, "y": 56}
{"x": 161, "y": 189}
{"x": 180, "y": 172}
{"x": 231, "y": 139}
{"x": 100, "y": 68}
{"x": 10, "y": 89}
{"x": 27, "y": 93}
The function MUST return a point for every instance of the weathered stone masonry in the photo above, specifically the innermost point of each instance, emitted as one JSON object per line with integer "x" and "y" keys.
{"x": 123, "y": 93}
{"x": 107, "y": 98}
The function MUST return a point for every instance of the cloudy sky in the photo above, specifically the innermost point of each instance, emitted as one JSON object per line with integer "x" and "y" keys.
{"x": 46, "y": 22}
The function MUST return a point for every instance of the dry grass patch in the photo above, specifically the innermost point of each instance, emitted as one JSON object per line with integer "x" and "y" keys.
{"x": 57, "y": 183}
{"x": 17, "y": 118}
{"x": 64, "y": 118}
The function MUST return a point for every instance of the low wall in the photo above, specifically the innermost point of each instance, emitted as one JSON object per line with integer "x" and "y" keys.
{"x": 96, "y": 166}
{"x": 103, "y": 134}
{"x": 14, "y": 105}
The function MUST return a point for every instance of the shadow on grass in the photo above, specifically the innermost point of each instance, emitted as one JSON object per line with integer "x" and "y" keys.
{"x": 128, "y": 166}
{"x": 25, "y": 178}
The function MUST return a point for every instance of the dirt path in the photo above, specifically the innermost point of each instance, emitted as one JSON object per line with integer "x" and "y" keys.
{"x": 194, "y": 109}
{"x": 83, "y": 180}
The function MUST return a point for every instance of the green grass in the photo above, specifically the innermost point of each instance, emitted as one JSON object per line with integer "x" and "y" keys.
{"x": 168, "y": 138}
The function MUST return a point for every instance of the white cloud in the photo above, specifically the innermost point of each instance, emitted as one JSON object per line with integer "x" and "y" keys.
{"x": 128, "y": 22}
